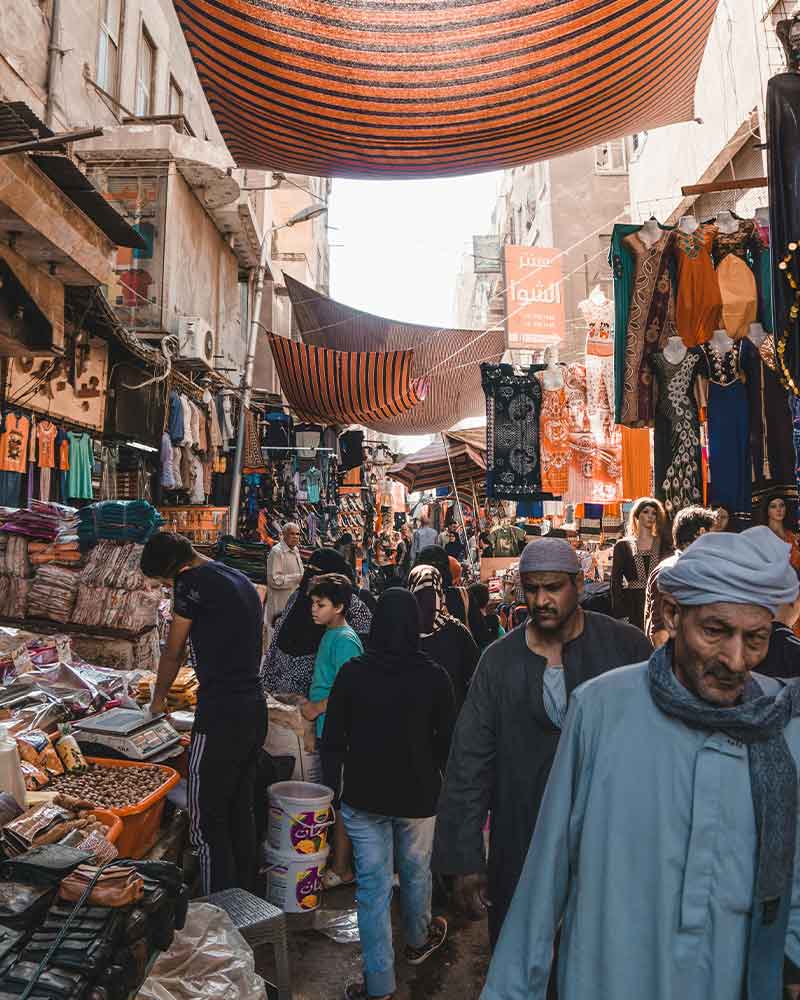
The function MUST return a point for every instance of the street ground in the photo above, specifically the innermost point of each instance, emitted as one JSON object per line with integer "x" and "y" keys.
{"x": 321, "y": 968}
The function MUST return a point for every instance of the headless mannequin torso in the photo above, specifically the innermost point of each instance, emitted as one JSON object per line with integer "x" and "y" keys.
{"x": 688, "y": 224}
{"x": 674, "y": 350}
{"x": 727, "y": 223}
{"x": 650, "y": 233}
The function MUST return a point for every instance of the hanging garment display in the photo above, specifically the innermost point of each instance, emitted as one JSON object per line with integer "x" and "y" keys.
{"x": 771, "y": 433}
{"x": 351, "y": 448}
{"x": 636, "y": 475}
{"x": 81, "y": 459}
{"x": 734, "y": 254}
{"x": 513, "y": 407}
{"x": 623, "y": 267}
{"x": 794, "y": 406}
{"x": 763, "y": 275}
{"x": 554, "y": 441}
{"x": 678, "y": 465}
{"x": 699, "y": 303}
{"x": 783, "y": 144}
{"x": 651, "y": 321}
{"x": 728, "y": 432}
{"x": 599, "y": 363}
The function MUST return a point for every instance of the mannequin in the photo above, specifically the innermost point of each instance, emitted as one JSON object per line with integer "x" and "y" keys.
{"x": 721, "y": 342}
{"x": 674, "y": 350}
{"x": 650, "y": 232}
{"x": 757, "y": 334}
{"x": 727, "y": 223}
{"x": 598, "y": 296}
{"x": 688, "y": 224}
{"x": 553, "y": 376}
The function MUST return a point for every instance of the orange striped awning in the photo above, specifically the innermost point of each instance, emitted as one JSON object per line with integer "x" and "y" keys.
{"x": 447, "y": 361}
{"x": 422, "y": 88}
{"x": 344, "y": 387}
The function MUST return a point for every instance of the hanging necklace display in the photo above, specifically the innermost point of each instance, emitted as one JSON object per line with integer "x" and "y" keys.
{"x": 791, "y": 319}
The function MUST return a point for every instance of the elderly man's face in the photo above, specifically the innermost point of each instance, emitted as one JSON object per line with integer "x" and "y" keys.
{"x": 717, "y": 646}
{"x": 292, "y": 537}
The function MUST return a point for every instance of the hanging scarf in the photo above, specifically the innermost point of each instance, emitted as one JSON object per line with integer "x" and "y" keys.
{"x": 758, "y": 722}
{"x": 425, "y": 583}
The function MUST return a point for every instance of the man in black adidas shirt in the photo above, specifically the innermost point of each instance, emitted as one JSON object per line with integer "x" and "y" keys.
{"x": 219, "y": 609}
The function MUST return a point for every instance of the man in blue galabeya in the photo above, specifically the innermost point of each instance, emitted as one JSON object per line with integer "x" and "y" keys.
{"x": 666, "y": 840}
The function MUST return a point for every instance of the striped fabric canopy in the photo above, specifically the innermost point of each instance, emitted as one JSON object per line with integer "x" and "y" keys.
{"x": 422, "y": 88}
{"x": 334, "y": 387}
{"x": 447, "y": 360}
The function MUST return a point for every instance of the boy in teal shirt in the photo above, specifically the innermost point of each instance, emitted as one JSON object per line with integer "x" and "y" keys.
{"x": 330, "y": 596}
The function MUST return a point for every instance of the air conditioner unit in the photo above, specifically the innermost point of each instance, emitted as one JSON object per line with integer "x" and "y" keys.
{"x": 195, "y": 341}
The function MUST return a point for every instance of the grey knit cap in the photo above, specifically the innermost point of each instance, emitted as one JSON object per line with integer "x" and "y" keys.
{"x": 549, "y": 555}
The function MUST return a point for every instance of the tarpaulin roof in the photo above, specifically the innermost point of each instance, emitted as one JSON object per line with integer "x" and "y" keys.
{"x": 429, "y": 468}
{"x": 448, "y": 360}
{"x": 417, "y": 88}
{"x": 336, "y": 387}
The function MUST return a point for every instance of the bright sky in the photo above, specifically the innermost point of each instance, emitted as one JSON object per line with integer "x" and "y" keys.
{"x": 402, "y": 243}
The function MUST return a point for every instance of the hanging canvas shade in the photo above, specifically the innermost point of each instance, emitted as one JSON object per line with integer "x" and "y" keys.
{"x": 336, "y": 387}
{"x": 447, "y": 360}
{"x": 424, "y": 88}
{"x": 429, "y": 468}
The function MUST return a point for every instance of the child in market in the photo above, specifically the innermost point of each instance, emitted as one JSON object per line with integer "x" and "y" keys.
{"x": 330, "y": 596}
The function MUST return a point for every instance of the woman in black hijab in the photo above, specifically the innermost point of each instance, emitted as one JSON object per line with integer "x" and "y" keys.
{"x": 390, "y": 717}
{"x": 435, "y": 555}
{"x": 289, "y": 664}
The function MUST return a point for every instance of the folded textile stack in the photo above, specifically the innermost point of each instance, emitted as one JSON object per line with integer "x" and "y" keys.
{"x": 52, "y": 593}
{"x": 182, "y": 694}
{"x": 118, "y": 520}
{"x": 100, "y": 607}
{"x": 113, "y": 565}
{"x": 15, "y": 557}
{"x": 14, "y": 596}
{"x": 59, "y": 553}
{"x": 249, "y": 558}
{"x": 47, "y": 521}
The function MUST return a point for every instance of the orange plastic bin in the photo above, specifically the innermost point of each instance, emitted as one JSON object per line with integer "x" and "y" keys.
{"x": 140, "y": 823}
{"x": 111, "y": 821}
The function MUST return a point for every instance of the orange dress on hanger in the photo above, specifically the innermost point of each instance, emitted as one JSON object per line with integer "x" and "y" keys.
{"x": 737, "y": 283}
{"x": 554, "y": 444}
{"x": 699, "y": 304}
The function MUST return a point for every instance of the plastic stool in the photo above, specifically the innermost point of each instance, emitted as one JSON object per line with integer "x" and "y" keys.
{"x": 259, "y": 923}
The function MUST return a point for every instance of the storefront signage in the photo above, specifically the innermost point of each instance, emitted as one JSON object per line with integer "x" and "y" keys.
{"x": 487, "y": 254}
{"x": 534, "y": 302}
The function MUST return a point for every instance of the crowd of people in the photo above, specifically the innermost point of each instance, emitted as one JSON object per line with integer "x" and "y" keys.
{"x": 616, "y": 793}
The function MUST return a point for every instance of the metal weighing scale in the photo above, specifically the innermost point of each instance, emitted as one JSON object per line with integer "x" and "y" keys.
{"x": 128, "y": 732}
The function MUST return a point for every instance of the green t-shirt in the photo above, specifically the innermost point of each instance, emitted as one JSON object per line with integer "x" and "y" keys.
{"x": 337, "y": 647}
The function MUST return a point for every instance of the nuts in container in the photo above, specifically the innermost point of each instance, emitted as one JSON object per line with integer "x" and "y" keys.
{"x": 111, "y": 787}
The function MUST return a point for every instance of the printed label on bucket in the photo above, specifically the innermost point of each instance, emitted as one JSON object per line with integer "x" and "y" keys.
{"x": 307, "y": 831}
{"x": 308, "y": 888}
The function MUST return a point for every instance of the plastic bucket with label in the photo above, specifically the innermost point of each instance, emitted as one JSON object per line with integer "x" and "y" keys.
{"x": 294, "y": 883}
{"x": 300, "y": 815}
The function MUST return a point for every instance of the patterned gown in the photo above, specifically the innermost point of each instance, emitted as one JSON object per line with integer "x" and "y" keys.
{"x": 678, "y": 468}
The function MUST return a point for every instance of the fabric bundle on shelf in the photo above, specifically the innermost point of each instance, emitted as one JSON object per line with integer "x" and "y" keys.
{"x": 59, "y": 553}
{"x": 45, "y": 521}
{"x": 52, "y": 593}
{"x": 14, "y": 596}
{"x": 118, "y": 520}
{"x": 15, "y": 557}
{"x": 125, "y": 610}
{"x": 113, "y": 565}
{"x": 249, "y": 558}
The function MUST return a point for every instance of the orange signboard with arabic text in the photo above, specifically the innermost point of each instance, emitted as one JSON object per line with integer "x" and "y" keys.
{"x": 534, "y": 302}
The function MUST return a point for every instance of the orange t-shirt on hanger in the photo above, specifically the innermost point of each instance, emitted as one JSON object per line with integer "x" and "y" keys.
{"x": 14, "y": 443}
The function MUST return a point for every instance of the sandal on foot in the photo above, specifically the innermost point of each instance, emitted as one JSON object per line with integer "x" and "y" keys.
{"x": 331, "y": 880}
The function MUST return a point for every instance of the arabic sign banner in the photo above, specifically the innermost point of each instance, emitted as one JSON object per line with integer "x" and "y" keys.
{"x": 534, "y": 304}
{"x": 487, "y": 254}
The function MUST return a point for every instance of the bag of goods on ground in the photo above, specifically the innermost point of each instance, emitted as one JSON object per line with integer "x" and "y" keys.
{"x": 290, "y": 735}
{"x": 65, "y": 819}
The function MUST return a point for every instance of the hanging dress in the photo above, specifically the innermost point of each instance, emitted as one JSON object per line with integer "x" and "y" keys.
{"x": 699, "y": 304}
{"x": 678, "y": 463}
{"x": 728, "y": 433}
{"x": 651, "y": 321}
{"x": 599, "y": 365}
{"x": 771, "y": 431}
{"x": 554, "y": 440}
{"x": 734, "y": 253}
{"x": 763, "y": 276}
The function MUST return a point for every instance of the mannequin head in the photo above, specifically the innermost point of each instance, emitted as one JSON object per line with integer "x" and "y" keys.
{"x": 647, "y": 517}
{"x": 778, "y": 513}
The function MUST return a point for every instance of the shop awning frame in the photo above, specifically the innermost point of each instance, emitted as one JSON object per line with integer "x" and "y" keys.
{"x": 429, "y": 469}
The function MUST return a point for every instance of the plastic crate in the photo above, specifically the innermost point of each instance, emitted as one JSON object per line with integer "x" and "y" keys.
{"x": 140, "y": 823}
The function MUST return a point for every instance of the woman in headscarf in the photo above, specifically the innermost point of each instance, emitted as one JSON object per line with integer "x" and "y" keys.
{"x": 289, "y": 663}
{"x": 442, "y": 636}
{"x": 390, "y": 717}
{"x": 435, "y": 555}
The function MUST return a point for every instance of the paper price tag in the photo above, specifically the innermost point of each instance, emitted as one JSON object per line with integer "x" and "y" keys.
{"x": 23, "y": 664}
{"x": 64, "y": 648}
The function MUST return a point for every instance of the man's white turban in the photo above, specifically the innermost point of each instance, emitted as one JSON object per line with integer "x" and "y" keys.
{"x": 748, "y": 568}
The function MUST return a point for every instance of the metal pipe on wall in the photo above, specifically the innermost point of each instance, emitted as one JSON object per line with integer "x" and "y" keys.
{"x": 54, "y": 53}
